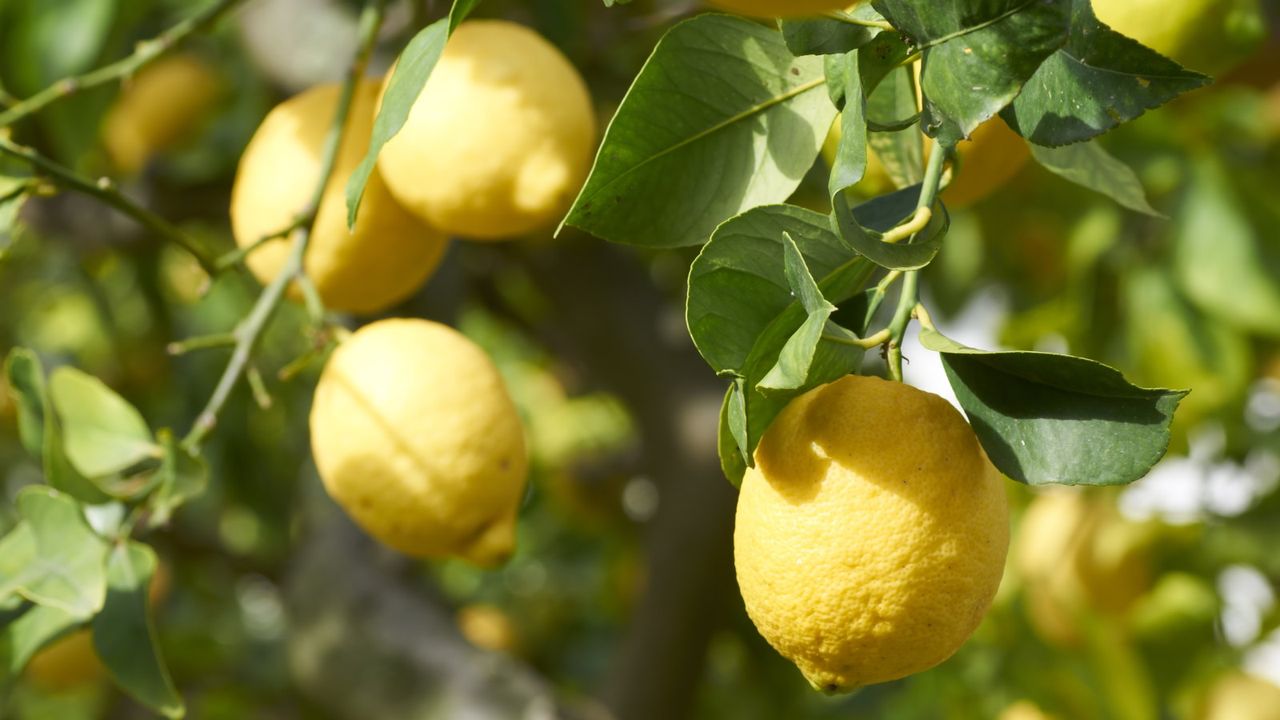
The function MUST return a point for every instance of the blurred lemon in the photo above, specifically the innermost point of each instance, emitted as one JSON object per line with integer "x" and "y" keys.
{"x": 1238, "y": 696}
{"x": 388, "y": 254}
{"x": 871, "y": 535}
{"x": 782, "y": 8}
{"x": 158, "y": 108}
{"x": 1205, "y": 35}
{"x": 1024, "y": 710}
{"x": 500, "y": 140}
{"x": 488, "y": 627}
{"x": 415, "y": 436}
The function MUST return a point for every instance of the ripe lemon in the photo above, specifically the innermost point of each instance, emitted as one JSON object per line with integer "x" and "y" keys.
{"x": 1205, "y": 35}
{"x": 871, "y": 535}
{"x": 488, "y": 627}
{"x": 415, "y": 436}
{"x": 783, "y": 8}
{"x": 1078, "y": 555}
{"x": 1024, "y": 710}
{"x": 157, "y": 109}
{"x": 389, "y": 254}
{"x": 500, "y": 140}
{"x": 1237, "y": 696}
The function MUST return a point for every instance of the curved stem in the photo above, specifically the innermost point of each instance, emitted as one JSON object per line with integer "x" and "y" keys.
{"x": 866, "y": 343}
{"x": 908, "y": 299}
{"x": 105, "y": 190}
{"x": 144, "y": 53}
{"x": 250, "y": 330}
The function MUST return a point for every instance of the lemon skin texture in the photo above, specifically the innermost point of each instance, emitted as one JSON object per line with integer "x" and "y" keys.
{"x": 500, "y": 139}
{"x": 782, "y": 8}
{"x": 415, "y": 436}
{"x": 157, "y": 109}
{"x": 389, "y": 254}
{"x": 1206, "y": 35}
{"x": 1237, "y": 696}
{"x": 871, "y": 535}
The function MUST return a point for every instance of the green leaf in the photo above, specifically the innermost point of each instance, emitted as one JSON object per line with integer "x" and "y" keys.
{"x": 796, "y": 356}
{"x": 1220, "y": 260}
{"x": 828, "y": 36}
{"x": 103, "y": 433}
{"x": 851, "y": 154}
{"x": 123, "y": 634}
{"x": 732, "y": 437}
{"x": 891, "y": 210}
{"x": 1099, "y": 79}
{"x": 183, "y": 475}
{"x": 721, "y": 118}
{"x": 1089, "y": 165}
{"x": 977, "y": 54}
{"x": 901, "y": 152}
{"x": 10, "y": 206}
{"x": 25, "y": 378}
{"x": 23, "y": 637}
{"x": 1045, "y": 418}
{"x": 52, "y": 557}
{"x": 459, "y": 12}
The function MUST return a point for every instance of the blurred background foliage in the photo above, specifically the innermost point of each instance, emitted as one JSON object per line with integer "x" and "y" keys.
{"x": 1133, "y": 605}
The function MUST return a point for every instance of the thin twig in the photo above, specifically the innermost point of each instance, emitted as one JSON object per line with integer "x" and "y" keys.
{"x": 234, "y": 257}
{"x": 105, "y": 190}
{"x": 908, "y": 299}
{"x": 144, "y": 53}
{"x": 250, "y": 330}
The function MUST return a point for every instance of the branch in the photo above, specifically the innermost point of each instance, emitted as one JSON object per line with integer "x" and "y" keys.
{"x": 250, "y": 330}
{"x": 144, "y": 53}
{"x": 105, "y": 190}
{"x": 908, "y": 300}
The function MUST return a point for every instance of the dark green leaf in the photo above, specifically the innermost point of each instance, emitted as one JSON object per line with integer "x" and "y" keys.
{"x": 894, "y": 256}
{"x": 1089, "y": 165}
{"x": 720, "y": 119}
{"x": 880, "y": 57}
{"x": 1220, "y": 258}
{"x": 1045, "y": 418}
{"x": 407, "y": 80}
{"x": 1095, "y": 82}
{"x": 900, "y": 152}
{"x": 59, "y": 561}
{"x": 183, "y": 475}
{"x": 977, "y": 54}
{"x": 123, "y": 634}
{"x": 732, "y": 437}
{"x": 103, "y": 434}
{"x": 828, "y": 36}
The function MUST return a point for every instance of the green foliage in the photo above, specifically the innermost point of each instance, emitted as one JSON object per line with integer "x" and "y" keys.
{"x": 1089, "y": 165}
{"x": 721, "y": 118}
{"x": 52, "y": 557}
{"x": 103, "y": 435}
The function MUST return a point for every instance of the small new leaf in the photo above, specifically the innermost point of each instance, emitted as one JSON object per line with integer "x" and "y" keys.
{"x": 1057, "y": 419}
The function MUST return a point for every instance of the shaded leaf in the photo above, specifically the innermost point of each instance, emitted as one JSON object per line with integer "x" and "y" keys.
{"x": 57, "y": 559}
{"x": 721, "y": 118}
{"x": 25, "y": 378}
{"x": 732, "y": 437}
{"x": 1046, "y": 418}
{"x": 1089, "y": 165}
{"x": 828, "y": 36}
{"x": 796, "y": 356}
{"x": 869, "y": 244}
{"x": 977, "y": 55}
{"x": 183, "y": 475}
{"x": 850, "y": 162}
{"x": 103, "y": 433}
{"x": 1099, "y": 79}
{"x": 901, "y": 152}
{"x": 24, "y": 636}
{"x": 124, "y": 636}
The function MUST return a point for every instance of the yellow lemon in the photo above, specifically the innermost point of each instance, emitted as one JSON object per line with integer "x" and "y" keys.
{"x": 1237, "y": 696}
{"x": 782, "y": 8}
{"x": 415, "y": 436}
{"x": 1205, "y": 35}
{"x": 871, "y": 534}
{"x": 157, "y": 109}
{"x": 1024, "y": 710}
{"x": 500, "y": 140}
{"x": 488, "y": 627}
{"x": 989, "y": 159}
{"x": 390, "y": 252}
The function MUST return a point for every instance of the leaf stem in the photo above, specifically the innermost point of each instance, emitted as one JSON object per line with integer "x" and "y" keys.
{"x": 144, "y": 53}
{"x": 866, "y": 343}
{"x": 105, "y": 190}
{"x": 908, "y": 298}
{"x": 250, "y": 330}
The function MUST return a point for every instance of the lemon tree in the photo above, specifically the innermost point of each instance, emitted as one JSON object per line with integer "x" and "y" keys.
{"x": 872, "y": 517}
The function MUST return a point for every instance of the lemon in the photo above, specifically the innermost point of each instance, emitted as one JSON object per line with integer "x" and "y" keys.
{"x": 782, "y": 8}
{"x": 1024, "y": 710}
{"x": 1237, "y": 696}
{"x": 157, "y": 109}
{"x": 389, "y": 254}
{"x": 1078, "y": 555}
{"x": 1205, "y": 35}
{"x": 500, "y": 139}
{"x": 415, "y": 436}
{"x": 488, "y": 627}
{"x": 871, "y": 534}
